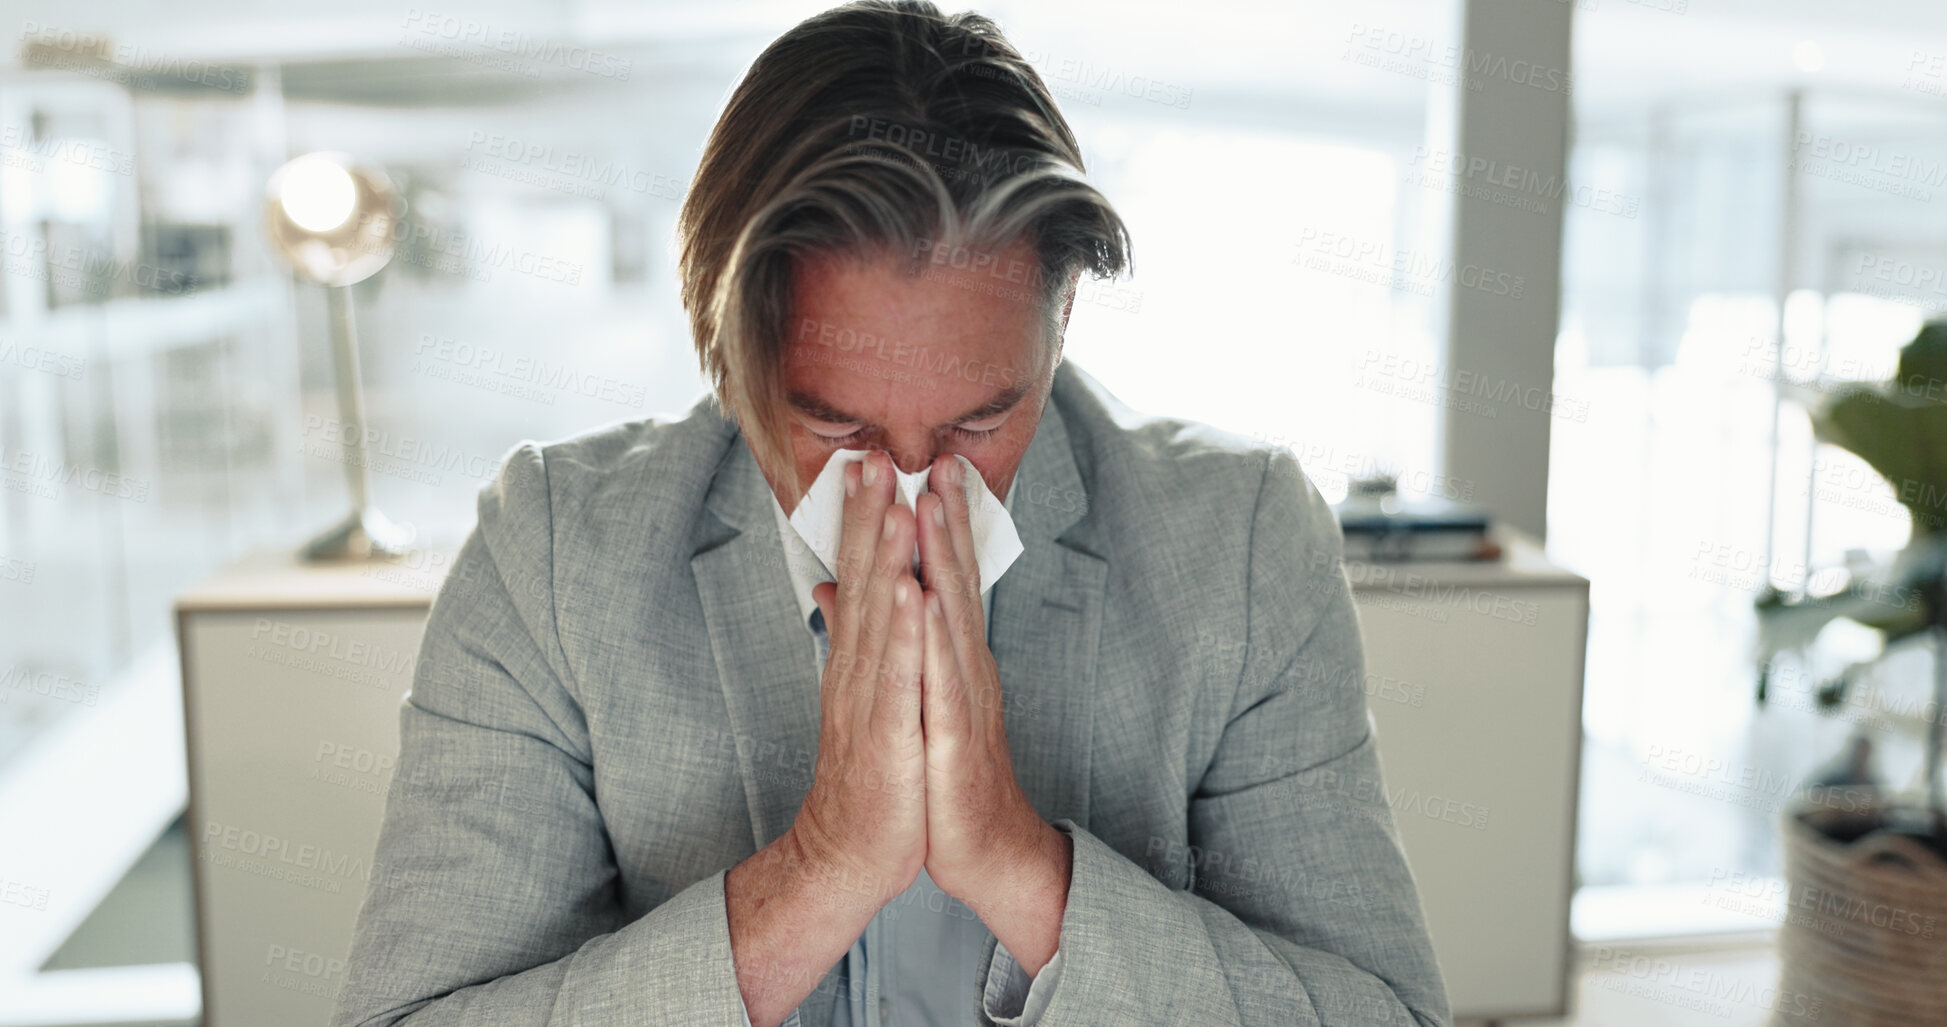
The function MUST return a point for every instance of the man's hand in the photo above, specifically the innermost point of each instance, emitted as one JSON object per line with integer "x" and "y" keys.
{"x": 796, "y": 905}
{"x": 864, "y": 819}
{"x": 985, "y": 843}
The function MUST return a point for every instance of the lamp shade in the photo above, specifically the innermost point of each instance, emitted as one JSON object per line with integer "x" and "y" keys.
{"x": 331, "y": 217}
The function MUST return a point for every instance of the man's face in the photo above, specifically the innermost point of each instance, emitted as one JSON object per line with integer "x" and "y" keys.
{"x": 945, "y": 362}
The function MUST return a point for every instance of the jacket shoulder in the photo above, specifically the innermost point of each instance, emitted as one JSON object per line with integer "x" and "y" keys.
{"x": 644, "y": 477}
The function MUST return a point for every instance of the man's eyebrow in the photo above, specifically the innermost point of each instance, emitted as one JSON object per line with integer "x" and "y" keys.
{"x": 999, "y": 404}
{"x": 813, "y": 405}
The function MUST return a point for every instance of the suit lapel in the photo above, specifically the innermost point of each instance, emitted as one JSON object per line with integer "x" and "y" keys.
{"x": 766, "y": 666}
{"x": 1047, "y": 623}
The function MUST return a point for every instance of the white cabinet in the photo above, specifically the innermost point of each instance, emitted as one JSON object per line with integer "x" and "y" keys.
{"x": 292, "y": 678}
{"x": 1474, "y": 679}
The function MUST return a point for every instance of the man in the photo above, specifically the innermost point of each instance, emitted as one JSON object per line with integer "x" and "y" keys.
{"x": 1133, "y": 781}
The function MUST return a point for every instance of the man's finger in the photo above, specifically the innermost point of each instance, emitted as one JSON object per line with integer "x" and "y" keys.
{"x": 891, "y": 568}
{"x": 936, "y": 560}
{"x": 959, "y": 523}
{"x": 896, "y": 709}
{"x": 943, "y": 690}
{"x": 858, "y": 545}
{"x": 945, "y": 579}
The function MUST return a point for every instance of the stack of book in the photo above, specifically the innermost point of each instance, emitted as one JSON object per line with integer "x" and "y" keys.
{"x": 1380, "y": 524}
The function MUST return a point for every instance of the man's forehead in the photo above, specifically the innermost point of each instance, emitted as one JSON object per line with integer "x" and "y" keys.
{"x": 812, "y": 403}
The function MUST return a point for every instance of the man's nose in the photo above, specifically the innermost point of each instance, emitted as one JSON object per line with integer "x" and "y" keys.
{"x": 911, "y": 460}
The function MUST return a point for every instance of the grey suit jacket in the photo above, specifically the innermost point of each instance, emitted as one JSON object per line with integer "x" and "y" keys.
{"x": 615, "y": 703}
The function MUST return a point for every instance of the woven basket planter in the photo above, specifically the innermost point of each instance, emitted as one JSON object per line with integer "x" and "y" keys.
{"x": 1864, "y": 939}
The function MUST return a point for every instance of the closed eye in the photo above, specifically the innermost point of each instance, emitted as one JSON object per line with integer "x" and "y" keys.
{"x": 970, "y": 434}
{"x": 982, "y": 427}
{"x": 840, "y": 440}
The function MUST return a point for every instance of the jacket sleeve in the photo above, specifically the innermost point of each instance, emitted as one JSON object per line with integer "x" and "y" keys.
{"x": 494, "y": 894}
{"x": 1302, "y": 909}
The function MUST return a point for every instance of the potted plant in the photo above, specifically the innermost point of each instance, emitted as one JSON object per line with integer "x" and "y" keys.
{"x": 1865, "y": 930}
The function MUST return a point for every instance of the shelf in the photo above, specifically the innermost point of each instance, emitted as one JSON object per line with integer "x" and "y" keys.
{"x": 133, "y": 327}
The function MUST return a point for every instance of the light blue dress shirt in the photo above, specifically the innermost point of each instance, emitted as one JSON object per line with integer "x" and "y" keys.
{"x": 916, "y": 963}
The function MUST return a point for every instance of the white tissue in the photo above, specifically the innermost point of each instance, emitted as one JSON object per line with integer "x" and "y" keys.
{"x": 820, "y": 516}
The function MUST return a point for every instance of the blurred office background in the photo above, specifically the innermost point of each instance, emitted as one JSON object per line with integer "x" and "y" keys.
{"x": 1288, "y": 177}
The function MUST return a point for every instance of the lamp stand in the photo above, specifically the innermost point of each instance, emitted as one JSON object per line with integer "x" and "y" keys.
{"x": 366, "y": 532}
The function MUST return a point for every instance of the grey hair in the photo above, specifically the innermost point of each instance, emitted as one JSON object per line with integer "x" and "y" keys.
{"x": 878, "y": 129}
